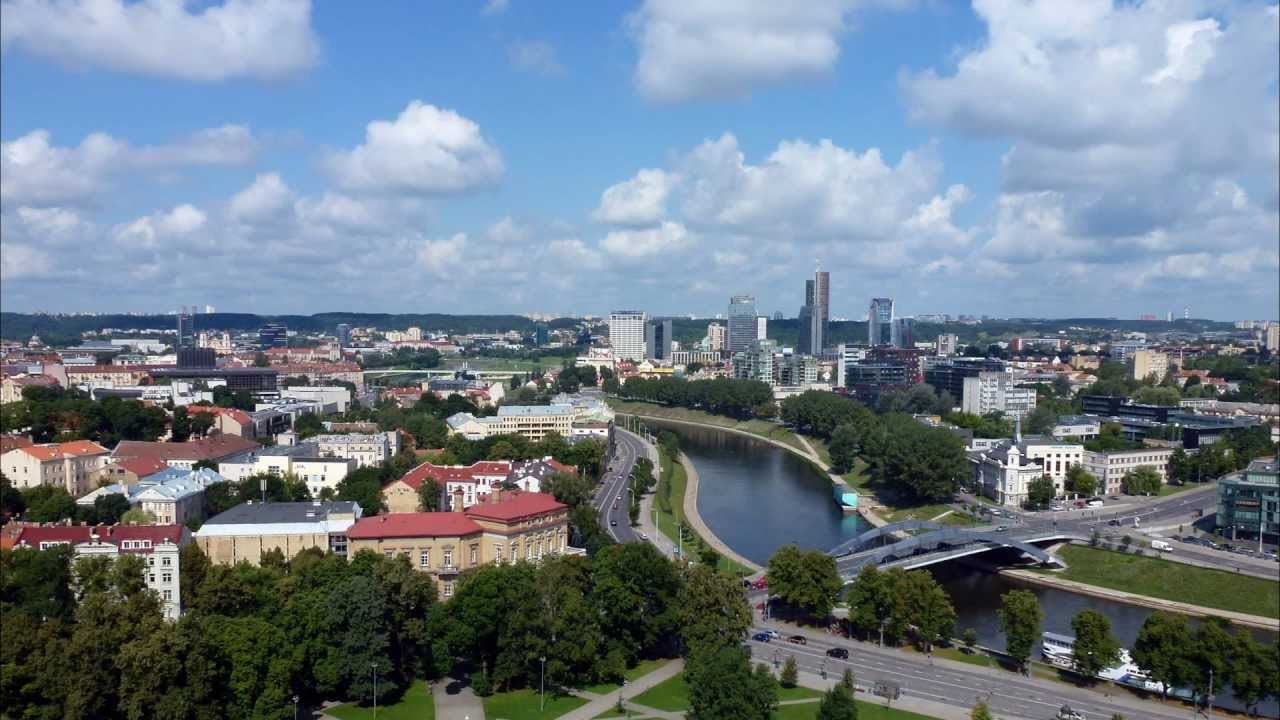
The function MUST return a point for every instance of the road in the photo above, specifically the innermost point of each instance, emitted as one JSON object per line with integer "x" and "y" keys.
{"x": 615, "y": 490}
{"x": 957, "y": 684}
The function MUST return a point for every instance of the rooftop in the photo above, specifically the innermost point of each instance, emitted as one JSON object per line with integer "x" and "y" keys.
{"x": 214, "y": 447}
{"x": 252, "y": 513}
{"x": 456, "y": 473}
{"x": 518, "y": 507}
{"x": 114, "y": 534}
{"x": 531, "y": 410}
{"x": 58, "y": 451}
{"x": 421, "y": 524}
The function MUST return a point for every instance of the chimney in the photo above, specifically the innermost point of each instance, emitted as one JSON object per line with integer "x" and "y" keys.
{"x": 457, "y": 500}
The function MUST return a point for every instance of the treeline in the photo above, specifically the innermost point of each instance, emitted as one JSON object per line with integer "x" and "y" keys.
{"x": 741, "y": 399}
{"x": 903, "y": 456}
{"x": 51, "y": 414}
{"x": 253, "y": 641}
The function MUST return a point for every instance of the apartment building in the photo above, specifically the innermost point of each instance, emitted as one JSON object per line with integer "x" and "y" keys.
{"x": 531, "y": 421}
{"x": 1144, "y": 363}
{"x": 66, "y": 465}
{"x": 367, "y": 450}
{"x": 303, "y": 461}
{"x": 158, "y": 544}
{"x": 172, "y": 496}
{"x": 247, "y": 530}
{"x": 1110, "y": 467}
{"x": 522, "y": 526}
{"x": 996, "y": 392}
{"x": 185, "y": 455}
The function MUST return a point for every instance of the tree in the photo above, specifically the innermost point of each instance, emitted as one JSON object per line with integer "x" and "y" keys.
{"x": 1095, "y": 647}
{"x": 1020, "y": 617}
{"x": 138, "y": 516}
{"x": 846, "y": 679}
{"x": 790, "y": 673}
{"x": 260, "y": 360}
{"x": 1159, "y": 395}
{"x": 108, "y": 509}
{"x": 1142, "y": 480}
{"x": 837, "y": 704}
{"x": 722, "y": 686}
{"x": 872, "y": 600}
{"x": 429, "y": 495}
{"x": 844, "y": 448}
{"x": 969, "y": 637}
{"x": 980, "y": 712}
{"x": 180, "y": 427}
{"x": 712, "y": 609}
{"x": 926, "y": 606}
{"x": 308, "y": 425}
{"x": 1161, "y": 649}
{"x": 807, "y": 580}
{"x": 1040, "y": 491}
{"x": 1252, "y": 670}
{"x": 364, "y": 486}
{"x": 1080, "y": 480}
{"x": 635, "y": 592}
{"x": 1209, "y": 655}
{"x": 46, "y": 503}
{"x": 201, "y": 423}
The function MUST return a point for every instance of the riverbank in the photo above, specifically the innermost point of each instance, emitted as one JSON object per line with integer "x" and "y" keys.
{"x": 690, "y": 504}
{"x": 1163, "y": 585}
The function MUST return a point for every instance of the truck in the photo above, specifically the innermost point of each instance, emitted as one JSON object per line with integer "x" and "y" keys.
{"x": 1161, "y": 545}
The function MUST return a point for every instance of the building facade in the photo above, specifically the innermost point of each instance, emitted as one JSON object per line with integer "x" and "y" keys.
{"x": 531, "y": 421}
{"x": 1145, "y": 363}
{"x": 626, "y": 334}
{"x": 1110, "y": 467}
{"x": 741, "y": 330}
{"x": 815, "y": 314}
{"x": 247, "y": 530}
{"x": 756, "y": 362}
{"x": 880, "y": 322}
{"x": 716, "y": 337}
{"x": 367, "y": 450}
{"x": 657, "y": 339}
{"x": 66, "y": 465}
{"x": 996, "y": 392}
{"x": 1249, "y": 500}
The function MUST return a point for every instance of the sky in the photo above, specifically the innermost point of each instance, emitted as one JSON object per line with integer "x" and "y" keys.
{"x": 1004, "y": 157}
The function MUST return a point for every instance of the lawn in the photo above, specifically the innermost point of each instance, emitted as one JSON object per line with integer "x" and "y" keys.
{"x": 857, "y": 478}
{"x": 866, "y": 711}
{"x": 1168, "y": 580}
{"x": 761, "y": 428}
{"x": 523, "y": 705}
{"x": 798, "y": 693}
{"x": 916, "y": 512}
{"x": 642, "y": 668}
{"x": 496, "y": 364}
{"x": 1175, "y": 489}
{"x": 671, "y": 694}
{"x": 977, "y": 658}
{"x": 417, "y": 704}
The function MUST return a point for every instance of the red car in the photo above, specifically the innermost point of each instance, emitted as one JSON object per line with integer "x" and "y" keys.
{"x": 762, "y": 583}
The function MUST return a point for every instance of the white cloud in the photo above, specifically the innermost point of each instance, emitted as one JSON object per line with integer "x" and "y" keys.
{"x": 641, "y": 200}
{"x": 508, "y": 232}
{"x": 55, "y": 226}
{"x": 23, "y": 261}
{"x": 667, "y": 238}
{"x": 266, "y": 197}
{"x": 256, "y": 38}
{"x": 536, "y": 57}
{"x": 34, "y": 171}
{"x": 441, "y": 257}
{"x": 700, "y": 49}
{"x": 425, "y": 149}
{"x": 149, "y": 232}
{"x": 573, "y": 254}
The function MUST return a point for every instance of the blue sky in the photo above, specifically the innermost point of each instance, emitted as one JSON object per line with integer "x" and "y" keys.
{"x": 1003, "y": 158}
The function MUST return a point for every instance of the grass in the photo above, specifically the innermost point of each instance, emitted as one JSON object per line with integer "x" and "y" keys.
{"x": 416, "y": 704}
{"x": 760, "y": 428}
{"x": 668, "y": 522}
{"x": 1166, "y": 490}
{"x": 671, "y": 694}
{"x": 915, "y": 512}
{"x": 523, "y": 705}
{"x": 866, "y": 711}
{"x": 798, "y": 693}
{"x": 977, "y": 658}
{"x": 1168, "y": 580}
{"x": 642, "y": 668}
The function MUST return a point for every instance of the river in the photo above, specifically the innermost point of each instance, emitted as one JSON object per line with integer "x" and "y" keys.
{"x": 757, "y": 497}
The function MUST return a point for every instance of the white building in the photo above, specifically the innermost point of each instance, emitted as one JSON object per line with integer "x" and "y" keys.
{"x": 172, "y": 496}
{"x": 948, "y": 344}
{"x": 847, "y": 354}
{"x": 716, "y": 337}
{"x": 1110, "y": 467}
{"x": 531, "y": 421}
{"x": 331, "y": 399}
{"x": 762, "y": 327}
{"x": 65, "y": 465}
{"x": 303, "y": 461}
{"x": 997, "y": 392}
{"x": 1081, "y": 427}
{"x": 626, "y": 334}
{"x": 1004, "y": 474}
{"x": 367, "y": 450}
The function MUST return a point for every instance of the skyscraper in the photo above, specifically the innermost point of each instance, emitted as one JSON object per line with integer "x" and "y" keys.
{"x": 815, "y": 314}
{"x": 186, "y": 330}
{"x": 880, "y": 322}
{"x": 715, "y": 337}
{"x": 657, "y": 339}
{"x": 541, "y": 335}
{"x": 903, "y": 334}
{"x": 626, "y": 334}
{"x": 742, "y": 323}
{"x": 273, "y": 335}
{"x": 344, "y": 334}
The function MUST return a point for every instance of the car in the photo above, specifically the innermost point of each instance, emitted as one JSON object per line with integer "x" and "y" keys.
{"x": 798, "y": 640}
{"x": 1079, "y": 503}
{"x": 1191, "y": 540}
{"x": 1066, "y": 713}
{"x": 619, "y": 496}
{"x": 1094, "y": 503}
{"x": 1002, "y": 528}
{"x": 613, "y": 522}
{"x": 838, "y": 652}
{"x": 966, "y": 650}
{"x": 761, "y": 637}
{"x": 774, "y": 634}
{"x": 644, "y": 537}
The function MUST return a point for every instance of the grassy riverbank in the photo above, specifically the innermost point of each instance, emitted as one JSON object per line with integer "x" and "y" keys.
{"x": 761, "y": 428}
{"x": 669, "y": 521}
{"x": 1168, "y": 580}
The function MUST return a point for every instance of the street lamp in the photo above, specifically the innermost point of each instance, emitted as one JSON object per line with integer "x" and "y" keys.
{"x": 374, "y": 672}
{"x": 295, "y": 707}
{"x": 542, "y": 685}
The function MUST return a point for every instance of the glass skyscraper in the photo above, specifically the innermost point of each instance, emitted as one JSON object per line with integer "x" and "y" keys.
{"x": 742, "y": 323}
{"x": 880, "y": 322}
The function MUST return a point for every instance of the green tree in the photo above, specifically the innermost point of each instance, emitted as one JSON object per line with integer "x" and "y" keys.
{"x": 1161, "y": 649}
{"x": 181, "y": 425}
{"x": 722, "y": 686}
{"x": 308, "y": 425}
{"x": 926, "y": 606}
{"x": 873, "y": 601}
{"x": 807, "y": 580}
{"x": 201, "y": 423}
{"x": 138, "y": 516}
{"x": 1142, "y": 480}
{"x": 1251, "y": 671}
{"x": 713, "y": 612}
{"x": 1095, "y": 647}
{"x": 837, "y": 704}
{"x": 980, "y": 711}
{"x": 790, "y": 673}
{"x": 844, "y": 446}
{"x": 364, "y": 486}
{"x": 634, "y": 591}
{"x": 1160, "y": 395}
{"x": 1020, "y": 617}
{"x": 260, "y": 360}
{"x": 1080, "y": 480}
{"x": 429, "y": 495}
{"x": 46, "y": 503}
{"x": 11, "y": 502}
{"x": 1210, "y": 655}
{"x": 1040, "y": 491}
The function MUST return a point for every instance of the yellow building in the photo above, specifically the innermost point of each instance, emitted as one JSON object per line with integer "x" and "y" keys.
{"x": 1148, "y": 362}
{"x": 247, "y": 530}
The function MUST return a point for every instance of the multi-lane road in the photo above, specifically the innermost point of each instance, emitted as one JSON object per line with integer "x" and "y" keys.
{"x": 613, "y": 498}
{"x": 1009, "y": 695}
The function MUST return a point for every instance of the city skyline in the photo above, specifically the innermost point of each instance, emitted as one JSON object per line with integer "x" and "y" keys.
{"x": 502, "y": 167}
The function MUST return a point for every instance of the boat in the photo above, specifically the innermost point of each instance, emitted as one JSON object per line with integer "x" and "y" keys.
{"x": 845, "y": 496}
{"x": 1057, "y": 650}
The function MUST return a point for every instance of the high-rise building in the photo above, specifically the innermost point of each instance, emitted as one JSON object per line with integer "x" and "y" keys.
{"x": 948, "y": 344}
{"x": 762, "y": 327}
{"x": 657, "y": 339}
{"x": 541, "y": 335}
{"x": 273, "y": 335}
{"x": 1143, "y": 363}
{"x": 996, "y": 392}
{"x": 344, "y": 334}
{"x": 1273, "y": 338}
{"x": 815, "y": 314}
{"x": 186, "y": 330}
{"x": 626, "y": 334}
{"x": 880, "y": 322}
{"x": 903, "y": 334}
{"x": 756, "y": 362}
{"x": 715, "y": 337}
{"x": 742, "y": 323}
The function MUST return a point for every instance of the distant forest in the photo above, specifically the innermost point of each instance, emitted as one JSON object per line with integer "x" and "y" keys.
{"x": 66, "y": 329}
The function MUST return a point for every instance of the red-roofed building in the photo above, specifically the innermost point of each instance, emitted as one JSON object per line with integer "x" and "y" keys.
{"x": 127, "y": 471}
{"x": 507, "y": 527}
{"x": 66, "y": 465}
{"x": 159, "y": 544}
{"x": 11, "y": 387}
{"x": 321, "y": 373}
{"x": 226, "y": 421}
{"x": 13, "y": 442}
{"x": 475, "y": 481}
{"x": 185, "y": 455}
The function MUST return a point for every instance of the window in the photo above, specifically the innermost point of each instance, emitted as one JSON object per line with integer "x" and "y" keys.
{"x": 168, "y": 595}
{"x": 448, "y": 558}
{"x": 448, "y": 589}
{"x": 497, "y": 553}
{"x": 475, "y": 555}
{"x": 166, "y": 577}
{"x": 424, "y": 558}
{"x": 151, "y": 578}
{"x": 389, "y": 553}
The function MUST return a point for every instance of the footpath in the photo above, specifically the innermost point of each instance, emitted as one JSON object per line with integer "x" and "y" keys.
{"x": 599, "y": 704}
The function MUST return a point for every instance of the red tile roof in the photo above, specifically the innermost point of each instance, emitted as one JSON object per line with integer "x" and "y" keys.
{"x": 58, "y": 451}
{"x": 211, "y": 448}
{"x": 518, "y": 507}
{"x": 142, "y": 466}
{"x": 239, "y": 416}
{"x": 456, "y": 473}
{"x": 13, "y": 442}
{"x": 32, "y": 536}
{"x": 420, "y": 524}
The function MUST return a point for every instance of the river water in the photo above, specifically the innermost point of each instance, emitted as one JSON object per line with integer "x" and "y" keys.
{"x": 757, "y": 497}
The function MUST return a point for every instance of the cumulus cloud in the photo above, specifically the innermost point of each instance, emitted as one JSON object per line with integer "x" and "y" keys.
{"x": 639, "y": 201}
{"x": 649, "y": 242}
{"x": 440, "y": 257}
{"x": 536, "y": 57}
{"x": 34, "y": 171}
{"x": 573, "y": 254}
{"x": 715, "y": 49}
{"x": 265, "y": 39}
{"x": 425, "y": 149}
{"x": 266, "y": 197}
{"x": 151, "y": 232}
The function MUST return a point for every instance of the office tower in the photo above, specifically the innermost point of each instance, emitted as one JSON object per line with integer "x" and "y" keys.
{"x": 715, "y": 337}
{"x": 762, "y": 327}
{"x": 541, "y": 335}
{"x": 273, "y": 335}
{"x": 815, "y": 314}
{"x": 626, "y": 334}
{"x": 903, "y": 334}
{"x": 742, "y": 323}
{"x": 657, "y": 339}
{"x": 880, "y": 322}
{"x": 344, "y": 334}
{"x": 197, "y": 357}
{"x": 186, "y": 329}
{"x": 948, "y": 344}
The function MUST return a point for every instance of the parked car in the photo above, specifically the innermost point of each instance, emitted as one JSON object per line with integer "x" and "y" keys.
{"x": 774, "y": 634}
{"x": 838, "y": 652}
{"x": 613, "y": 522}
{"x": 798, "y": 640}
{"x": 1095, "y": 502}
{"x": 761, "y": 637}
{"x": 1002, "y": 528}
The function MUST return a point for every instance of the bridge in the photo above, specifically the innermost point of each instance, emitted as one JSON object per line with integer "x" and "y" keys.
{"x": 940, "y": 544}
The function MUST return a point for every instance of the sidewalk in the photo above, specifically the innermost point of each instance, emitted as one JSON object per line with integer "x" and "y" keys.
{"x": 456, "y": 701}
{"x": 602, "y": 703}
